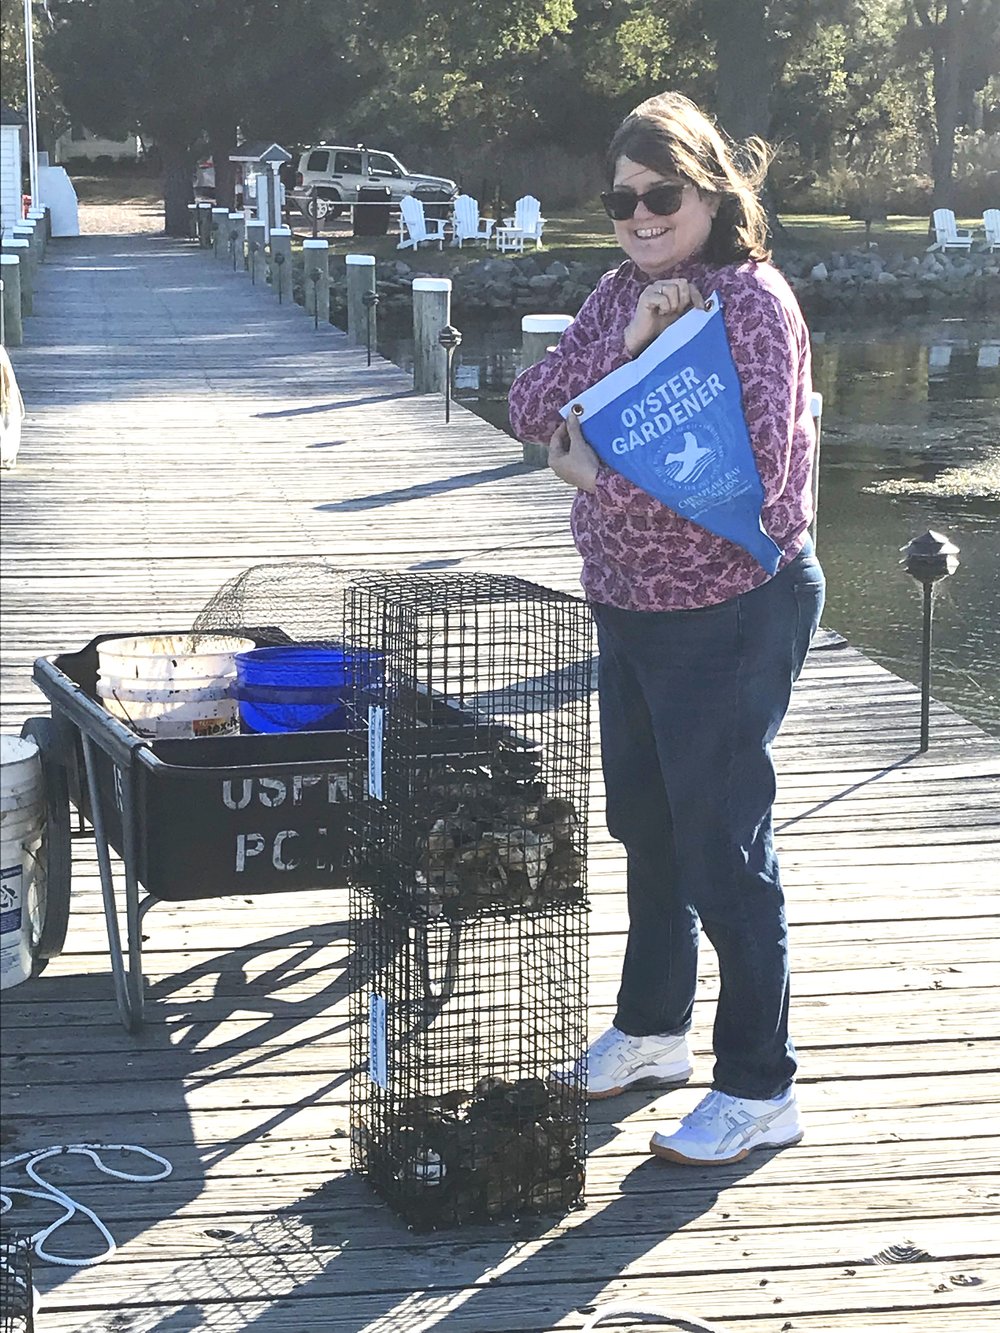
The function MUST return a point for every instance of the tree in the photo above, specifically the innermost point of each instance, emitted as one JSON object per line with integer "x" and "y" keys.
{"x": 51, "y": 116}
{"x": 962, "y": 38}
{"x": 185, "y": 72}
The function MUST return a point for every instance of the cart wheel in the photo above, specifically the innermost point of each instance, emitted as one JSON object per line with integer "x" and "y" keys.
{"x": 50, "y": 909}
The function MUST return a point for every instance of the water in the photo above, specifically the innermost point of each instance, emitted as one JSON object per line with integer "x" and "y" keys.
{"x": 911, "y": 442}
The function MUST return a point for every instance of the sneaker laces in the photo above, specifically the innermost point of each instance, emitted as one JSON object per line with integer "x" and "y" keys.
{"x": 707, "y": 1109}
{"x": 607, "y": 1041}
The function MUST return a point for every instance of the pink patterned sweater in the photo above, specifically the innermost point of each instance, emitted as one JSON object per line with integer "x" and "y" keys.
{"x": 639, "y": 555}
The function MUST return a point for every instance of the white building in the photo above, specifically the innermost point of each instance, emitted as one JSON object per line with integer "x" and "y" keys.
{"x": 11, "y": 123}
{"x": 78, "y": 142}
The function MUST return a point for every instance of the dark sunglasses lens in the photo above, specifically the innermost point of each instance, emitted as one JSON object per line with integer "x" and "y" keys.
{"x": 661, "y": 199}
{"x": 619, "y": 204}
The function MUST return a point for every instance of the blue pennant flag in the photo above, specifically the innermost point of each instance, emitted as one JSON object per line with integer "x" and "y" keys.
{"x": 672, "y": 422}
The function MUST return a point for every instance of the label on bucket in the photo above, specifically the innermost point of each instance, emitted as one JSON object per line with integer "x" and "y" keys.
{"x": 11, "y": 897}
{"x": 377, "y": 1068}
{"x": 376, "y": 718}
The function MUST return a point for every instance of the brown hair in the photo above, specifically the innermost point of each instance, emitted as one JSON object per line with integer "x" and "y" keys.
{"x": 669, "y": 133}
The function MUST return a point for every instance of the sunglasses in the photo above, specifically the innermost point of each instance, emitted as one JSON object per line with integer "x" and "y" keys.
{"x": 663, "y": 200}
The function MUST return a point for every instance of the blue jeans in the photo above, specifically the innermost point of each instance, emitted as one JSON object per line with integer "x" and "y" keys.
{"x": 690, "y": 702}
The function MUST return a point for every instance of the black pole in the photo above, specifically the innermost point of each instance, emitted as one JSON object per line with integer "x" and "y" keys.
{"x": 253, "y": 265}
{"x": 449, "y": 338}
{"x": 315, "y": 217}
{"x": 925, "y": 670}
{"x": 928, "y": 558}
{"x": 314, "y": 276}
{"x": 370, "y": 301}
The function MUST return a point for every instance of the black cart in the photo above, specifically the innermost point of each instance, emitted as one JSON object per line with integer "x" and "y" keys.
{"x": 201, "y": 818}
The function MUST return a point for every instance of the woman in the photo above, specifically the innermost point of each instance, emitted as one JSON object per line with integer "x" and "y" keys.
{"x": 699, "y": 645}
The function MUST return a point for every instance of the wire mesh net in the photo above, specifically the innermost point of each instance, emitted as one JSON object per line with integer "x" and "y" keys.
{"x": 473, "y": 792}
{"x": 16, "y": 1292}
{"x": 466, "y": 1099}
{"x": 297, "y": 601}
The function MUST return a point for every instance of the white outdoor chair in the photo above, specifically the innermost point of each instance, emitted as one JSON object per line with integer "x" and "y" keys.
{"x": 467, "y": 225}
{"x": 525, "y": 225}
{"x": 946, "y": 233}
{"x": 415, "y": 229}
{"x": 991, "y": 226}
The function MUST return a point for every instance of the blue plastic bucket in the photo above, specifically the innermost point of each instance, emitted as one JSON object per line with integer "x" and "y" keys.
{"x": 300, "y": 687}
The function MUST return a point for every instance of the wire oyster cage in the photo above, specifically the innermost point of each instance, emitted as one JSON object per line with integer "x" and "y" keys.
{"x": 469, "y": 896}
{"x": 467, "y": 1103}
{"x": 472, "y": 795}
{"x": 17, "y": 1296}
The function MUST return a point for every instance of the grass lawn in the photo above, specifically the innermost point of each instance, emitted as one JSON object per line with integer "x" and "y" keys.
{"x": 585, "y": 235}
{"x": 582, "y": 235}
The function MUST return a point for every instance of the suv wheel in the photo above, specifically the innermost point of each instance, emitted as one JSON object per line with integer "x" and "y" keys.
{"x": 320, "y": 206}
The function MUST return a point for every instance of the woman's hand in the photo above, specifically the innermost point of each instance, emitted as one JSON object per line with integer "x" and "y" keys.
{"x": 659, "y": 305}
{"x": 571, "y": 457}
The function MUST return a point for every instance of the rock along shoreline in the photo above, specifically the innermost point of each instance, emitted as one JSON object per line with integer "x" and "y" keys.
{"x": 853, "y": 281}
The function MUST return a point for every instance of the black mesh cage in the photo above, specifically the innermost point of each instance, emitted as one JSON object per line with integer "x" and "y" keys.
{"x": 478, "y": 719}
{"x": 465, "y": 1101}
{"x": 469, "y": 899}
{"x": 16, "y": 1293}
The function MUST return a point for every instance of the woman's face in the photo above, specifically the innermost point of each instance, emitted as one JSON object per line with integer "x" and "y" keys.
{"x": 656, "y": 243}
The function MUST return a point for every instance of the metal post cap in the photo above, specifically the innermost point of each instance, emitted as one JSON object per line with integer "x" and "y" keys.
{"x": 449, "y": 337}
{"x": 930, "y": 557}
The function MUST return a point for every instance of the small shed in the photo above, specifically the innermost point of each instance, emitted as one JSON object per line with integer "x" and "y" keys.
{"x": 257, "y": 181}
{"x": 11, "y": 124}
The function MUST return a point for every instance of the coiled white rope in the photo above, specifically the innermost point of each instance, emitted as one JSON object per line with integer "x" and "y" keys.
{"x": 50, "y": 1193}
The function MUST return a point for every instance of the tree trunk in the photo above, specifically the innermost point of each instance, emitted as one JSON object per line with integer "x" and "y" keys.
{"x": 178, "y": 190}
{"x": 744, "y": 64}
{"x": 946, "y": 55}
{"x": 222, "y": 142}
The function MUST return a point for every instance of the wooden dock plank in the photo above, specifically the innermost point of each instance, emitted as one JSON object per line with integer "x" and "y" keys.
{"x": 183, "y": 427}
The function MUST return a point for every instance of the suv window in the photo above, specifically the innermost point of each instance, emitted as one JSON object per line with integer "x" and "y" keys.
{"x": 347, "y": 164}
{"x": 317, "y": 161}
{"x": 381, "y": 164}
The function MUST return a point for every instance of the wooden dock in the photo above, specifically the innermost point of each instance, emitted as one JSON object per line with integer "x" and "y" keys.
{"x": 183, "y": 427}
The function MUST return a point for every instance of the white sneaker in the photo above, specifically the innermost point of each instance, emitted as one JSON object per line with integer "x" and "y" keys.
{"x": 724, "y": 1129}
{"x": 616, "y": 1061}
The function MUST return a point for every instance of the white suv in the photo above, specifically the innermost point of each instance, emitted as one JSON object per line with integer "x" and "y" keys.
{"x": 330, "y": 176}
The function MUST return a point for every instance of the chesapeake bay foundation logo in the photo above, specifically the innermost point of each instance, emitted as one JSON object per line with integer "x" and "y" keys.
{"x": 689, "y": 463}
{"x": 664, "y": 409}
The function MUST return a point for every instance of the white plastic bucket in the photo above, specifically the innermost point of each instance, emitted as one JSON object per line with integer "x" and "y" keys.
{"x": 171, "y": 686}
{"x": 178, "y": 721}
{"x": 17, "y": 824}
{"x": 195, "y": 690}
{"x": 171, "y": 657}
{"x": 22, "y": 823}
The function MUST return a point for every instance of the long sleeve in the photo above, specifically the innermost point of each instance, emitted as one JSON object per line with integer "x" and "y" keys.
{"x": 592, "y": 346}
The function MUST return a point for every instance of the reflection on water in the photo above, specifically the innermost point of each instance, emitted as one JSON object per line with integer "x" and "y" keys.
{"x": 905, "y": 403}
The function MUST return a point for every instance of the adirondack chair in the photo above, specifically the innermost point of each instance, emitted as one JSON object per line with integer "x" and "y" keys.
{"x": 415, "y": 229}
{"x": 991, "y": 226}
{"x": 525, "y": 225}
{"x": 467, "y": 225}
{"x": 946, "y": 233}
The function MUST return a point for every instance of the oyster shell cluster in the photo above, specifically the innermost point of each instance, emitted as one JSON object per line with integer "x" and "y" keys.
{"x": 504, "y": 1148}
{"x": 495, "y": 839}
